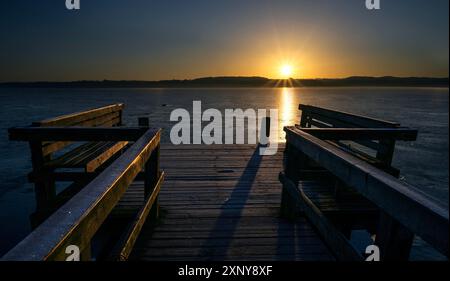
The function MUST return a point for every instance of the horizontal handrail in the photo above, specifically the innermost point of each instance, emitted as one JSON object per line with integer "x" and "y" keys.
{"x": 411, "y": 208}
{"x": 403, "y": 134}
{"x": 76, "y": 222}
{"x": 76, "y": 133}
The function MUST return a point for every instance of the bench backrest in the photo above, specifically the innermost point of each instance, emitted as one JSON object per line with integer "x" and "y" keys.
{"x": 325, "y": 118}
{"x": 108, "y": 116}
{"x": 378, "y": 151}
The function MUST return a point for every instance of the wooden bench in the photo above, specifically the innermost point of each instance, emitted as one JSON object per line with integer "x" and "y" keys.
{"x": 376, "y": 148}
{"x": 334, "y": 194}
{"x": 76, "y": 224}
{"x": 89, "y": 155}
{"x": 51, "y": 156}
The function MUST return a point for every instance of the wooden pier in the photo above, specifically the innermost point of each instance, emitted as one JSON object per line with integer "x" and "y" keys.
{"x": 222, "y": 202}
{"x": 128, "y": 197}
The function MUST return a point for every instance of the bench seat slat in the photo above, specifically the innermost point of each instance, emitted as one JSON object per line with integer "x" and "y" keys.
{"x": 50, "y": 147}
{"x": 75, "y": 157}
{"x": 72, "y": 157}
{"x": 93, "y": 164}
{"x": 88, "y": 156}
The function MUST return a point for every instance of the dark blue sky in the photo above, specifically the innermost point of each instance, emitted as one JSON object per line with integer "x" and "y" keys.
{"x": 151, "y": 40}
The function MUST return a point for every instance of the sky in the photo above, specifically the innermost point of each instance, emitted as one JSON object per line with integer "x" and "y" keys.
{"x": 168, "y": 39}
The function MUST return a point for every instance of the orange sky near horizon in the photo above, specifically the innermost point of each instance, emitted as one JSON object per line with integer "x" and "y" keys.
{"x": 150, "y": 40}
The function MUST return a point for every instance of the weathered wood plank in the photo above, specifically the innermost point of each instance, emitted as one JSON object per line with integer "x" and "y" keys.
{"x": 357, "y": 120}
{"x": 206, "y": 218}
{"x": 77, "y": 117}
{"x": 104, "y": 156}
{"x": 75, "y": 133}
{"x": 362, "y": 133}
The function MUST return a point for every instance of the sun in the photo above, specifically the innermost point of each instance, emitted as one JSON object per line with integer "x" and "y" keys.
{"x": 286, "y": 71}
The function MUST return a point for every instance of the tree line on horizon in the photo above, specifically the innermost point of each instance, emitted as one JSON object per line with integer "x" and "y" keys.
{"x": 237, "y": 81}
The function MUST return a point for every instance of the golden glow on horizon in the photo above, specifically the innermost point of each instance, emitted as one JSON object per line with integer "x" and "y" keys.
{"x": 286, "y": 71}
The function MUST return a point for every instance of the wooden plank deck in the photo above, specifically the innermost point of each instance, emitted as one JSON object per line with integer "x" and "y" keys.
{"x": 222, "y": 203}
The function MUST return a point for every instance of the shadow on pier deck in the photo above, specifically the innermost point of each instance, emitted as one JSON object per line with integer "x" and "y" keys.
{"x": 222, "y": 202}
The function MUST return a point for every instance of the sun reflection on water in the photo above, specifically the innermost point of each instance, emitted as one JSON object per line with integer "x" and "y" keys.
{"x": 287, "y": 110}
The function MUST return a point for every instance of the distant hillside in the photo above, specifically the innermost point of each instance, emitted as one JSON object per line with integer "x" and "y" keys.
{"x": 210, "y": 82}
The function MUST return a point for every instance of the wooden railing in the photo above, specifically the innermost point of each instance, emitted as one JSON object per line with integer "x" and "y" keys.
{"x": 49, "y": 156}
{"x": 403, "y": 211}
{"x": 78, "y": 220}
{"x": 382, "y": 148}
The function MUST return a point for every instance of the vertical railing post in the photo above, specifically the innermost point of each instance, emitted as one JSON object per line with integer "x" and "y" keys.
{"x": 151, "y": 172}
{"x": 303, "y": 119}
{"x": 44, "y": 188}
{"x": 143, "y": 122}
{"x": 386, "y": 155}
{"x": 292, "y": 164}
{"x": 86, "y": 254}
{"x": 393, "y": 239}
{"x": 120, "y": 123}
